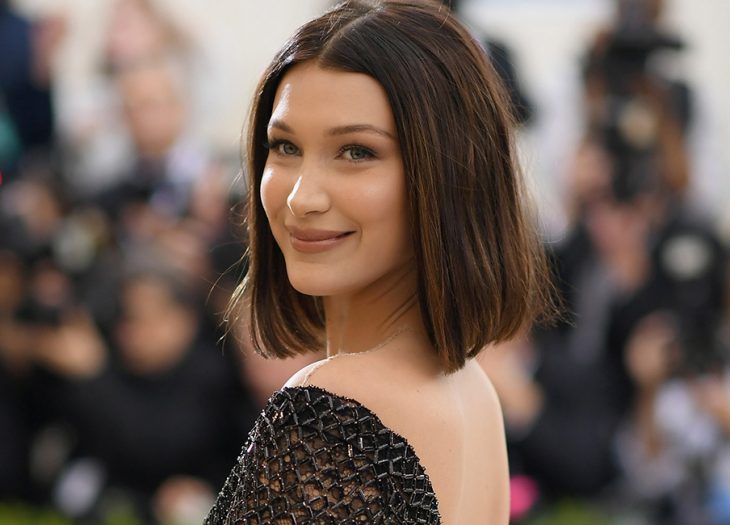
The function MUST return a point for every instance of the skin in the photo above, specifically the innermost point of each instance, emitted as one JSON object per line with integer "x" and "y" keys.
{"x": 155, "y": 331}
{"x": 335, "y": 166}
{"x": 318, "y": 178}
{"x": 153, "y": 106}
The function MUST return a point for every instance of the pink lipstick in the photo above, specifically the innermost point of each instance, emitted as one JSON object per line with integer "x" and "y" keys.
{"x": 316, "y": 241}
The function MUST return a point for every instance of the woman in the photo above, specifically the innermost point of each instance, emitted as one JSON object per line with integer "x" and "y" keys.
{"x": 386, "y": 224}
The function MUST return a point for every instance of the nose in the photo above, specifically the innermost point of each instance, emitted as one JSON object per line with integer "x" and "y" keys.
{"x": 308, "y": 195}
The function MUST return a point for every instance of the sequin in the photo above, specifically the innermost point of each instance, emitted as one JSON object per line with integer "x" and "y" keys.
{"x": 317, "y": 458}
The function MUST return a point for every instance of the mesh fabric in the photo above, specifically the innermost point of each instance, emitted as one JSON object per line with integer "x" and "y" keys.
{"x": 318, "y": 458}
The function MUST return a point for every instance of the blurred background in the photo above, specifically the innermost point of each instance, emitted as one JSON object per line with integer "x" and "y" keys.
{"x": 124, "y": 400}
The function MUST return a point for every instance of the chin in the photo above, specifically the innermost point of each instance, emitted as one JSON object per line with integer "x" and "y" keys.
{"x": 320, "y": 283}
{"x": 313, "y": 287}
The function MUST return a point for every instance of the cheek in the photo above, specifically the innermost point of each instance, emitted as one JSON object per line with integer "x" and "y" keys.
{"x": 273, "y": 197}
{"x": 273, "y": 193}
{"x": 383, "y": 208}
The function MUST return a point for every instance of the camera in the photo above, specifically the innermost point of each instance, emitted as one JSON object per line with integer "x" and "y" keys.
{"x": 636, "y": 102}
{"x": 690, "y": 265}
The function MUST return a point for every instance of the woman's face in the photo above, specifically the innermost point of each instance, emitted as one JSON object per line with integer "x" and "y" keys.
{"x": 333, "y": 187}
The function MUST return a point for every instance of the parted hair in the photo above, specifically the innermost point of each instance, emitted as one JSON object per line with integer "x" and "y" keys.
{"x": 481, "y": 269}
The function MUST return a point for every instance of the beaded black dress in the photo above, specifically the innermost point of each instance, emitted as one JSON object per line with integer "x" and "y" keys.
{"x": 314, "y": 457}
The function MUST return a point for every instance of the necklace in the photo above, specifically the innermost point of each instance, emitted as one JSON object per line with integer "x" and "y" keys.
{"x": 378, "y": 346}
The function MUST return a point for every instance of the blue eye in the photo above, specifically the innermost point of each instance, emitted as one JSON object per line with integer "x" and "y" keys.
{"x": 283, "y": 147}
{"x": 357, "y": 153}
{"x": 287, "y": 148}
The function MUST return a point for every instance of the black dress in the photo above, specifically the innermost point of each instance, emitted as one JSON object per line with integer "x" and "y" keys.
{"x": 314, "y": 457}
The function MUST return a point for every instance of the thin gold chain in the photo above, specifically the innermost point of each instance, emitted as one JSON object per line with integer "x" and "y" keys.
{"x": 378, "y": 346}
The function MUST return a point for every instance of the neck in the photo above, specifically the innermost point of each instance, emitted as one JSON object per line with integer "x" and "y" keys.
{"x": 386, "y": 309}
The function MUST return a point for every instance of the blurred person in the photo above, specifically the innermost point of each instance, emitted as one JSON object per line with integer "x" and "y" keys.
{"x": 388, "y": 227}
{"x": 154, "y": 104}
{"x": 634, "y": 248}
{"x": 502, "y": 60}
{"x": 46, "y": 251}
{"x": 15, "y": 436}
{"x": 26, "y": 109}
{"x": 674, "y": 448}
{"x": 12, "y": 294}
{"x": 167, "y": 161}
{"x": 100, "y": 130}
{"x": 633, "y": 80}
{"x": 187, "y": 235}
{"x": 137, "y": 30}
{"x": 155, "y": 412}
{"x": 47, "y": 293}
{"x": 620, "y": 62}
{"x": 32, "y": 210}
{"x": 565, "y": 390}
{"x": 15, "y": 427}
{"x": 40, "y": 222}
{"x": 637, "y": 115}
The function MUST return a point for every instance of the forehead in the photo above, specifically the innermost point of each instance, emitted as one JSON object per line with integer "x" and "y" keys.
{"x": 312, "y": 95}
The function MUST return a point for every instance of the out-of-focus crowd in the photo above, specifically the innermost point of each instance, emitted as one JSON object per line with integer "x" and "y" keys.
{"x": 121, "y": 389}
{"x": 620, "y": 412}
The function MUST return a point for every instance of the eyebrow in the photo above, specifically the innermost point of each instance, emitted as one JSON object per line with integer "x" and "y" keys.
{"x": 339, "y": 130}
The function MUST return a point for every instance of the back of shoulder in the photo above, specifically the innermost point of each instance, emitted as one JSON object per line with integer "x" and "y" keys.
{"x": 358, "y": 377}
{"x": 414, "y": 403}
{"x": 388, "y": 387}
{"x": 453, "y": 422}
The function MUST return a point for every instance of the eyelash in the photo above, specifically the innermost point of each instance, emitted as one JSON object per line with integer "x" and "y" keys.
{"x": 275, "y": 145}
{"x": 369, "y": 154}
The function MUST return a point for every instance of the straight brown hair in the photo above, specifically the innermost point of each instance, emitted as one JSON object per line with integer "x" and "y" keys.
{"x": 482, "y": 272}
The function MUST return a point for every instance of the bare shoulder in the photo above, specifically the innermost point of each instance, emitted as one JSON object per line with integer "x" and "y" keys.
{"x": 301, "y": 377}
{"x": 454, "y": 423}
{"x": 491, "y": 453}
{"x": 370, "y": 379}
{"x": 395, "y": 389}
{"x": 492, "y": 408}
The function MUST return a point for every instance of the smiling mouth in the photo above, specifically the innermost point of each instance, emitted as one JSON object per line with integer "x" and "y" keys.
{"x": 316, "y": 241}
{"x": 317, "y": 236}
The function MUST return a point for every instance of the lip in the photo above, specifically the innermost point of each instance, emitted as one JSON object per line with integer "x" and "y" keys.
{"x": 316, "y": 241}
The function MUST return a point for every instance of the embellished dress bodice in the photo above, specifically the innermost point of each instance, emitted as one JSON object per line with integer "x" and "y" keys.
{"x": 314, "y": 457}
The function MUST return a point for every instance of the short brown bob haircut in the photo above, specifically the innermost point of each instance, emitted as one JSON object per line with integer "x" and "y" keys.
{"x": 482, "y": 274}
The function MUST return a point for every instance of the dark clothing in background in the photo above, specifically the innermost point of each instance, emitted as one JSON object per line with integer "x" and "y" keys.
{"x": 27, "y": 103}
{"x": 14, "y": 440}
{"x": 143, "y": 429}
{"x": 568, "y": 449}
